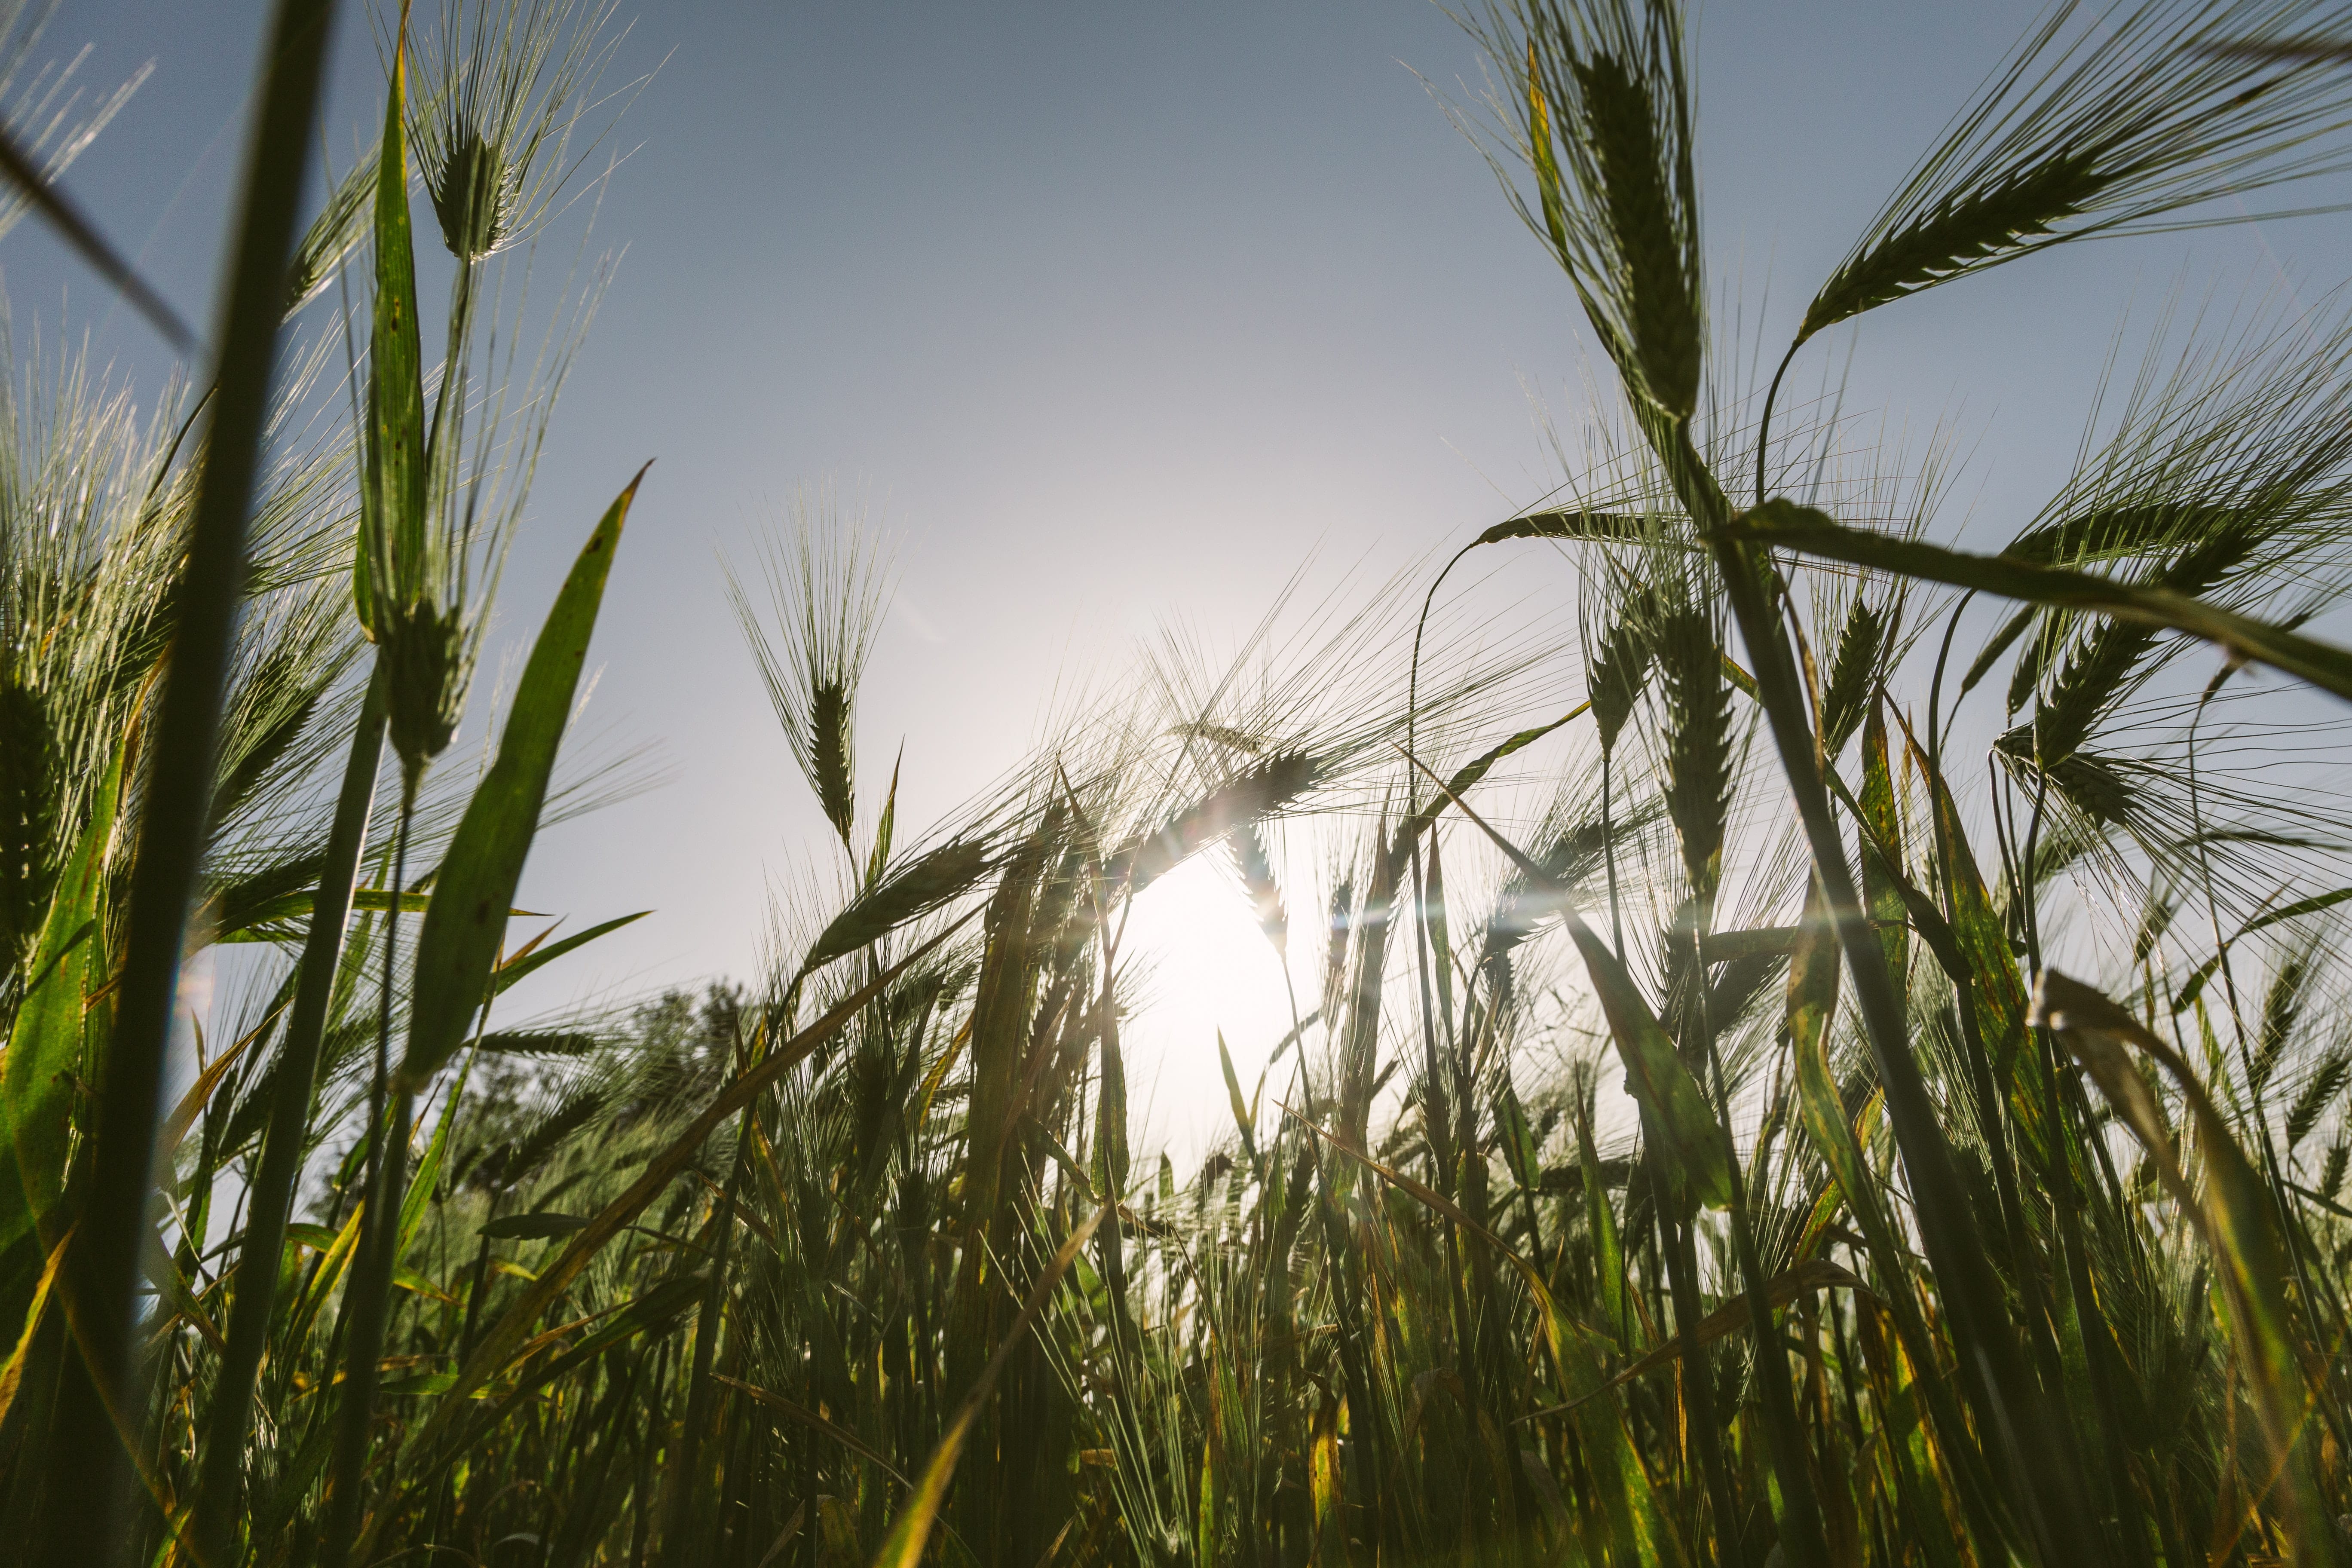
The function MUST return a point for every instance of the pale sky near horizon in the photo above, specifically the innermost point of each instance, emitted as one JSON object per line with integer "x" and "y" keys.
{"x": 1112, "y": 313}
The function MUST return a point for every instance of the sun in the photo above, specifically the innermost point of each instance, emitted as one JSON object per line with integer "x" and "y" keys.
{"x": 1204, "y": 966}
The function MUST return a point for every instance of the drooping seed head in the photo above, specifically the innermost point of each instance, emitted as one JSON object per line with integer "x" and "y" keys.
{"x": 1618, "y": 670}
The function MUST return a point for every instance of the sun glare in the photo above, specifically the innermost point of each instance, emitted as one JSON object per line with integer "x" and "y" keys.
{"x": 1205, "y": 966}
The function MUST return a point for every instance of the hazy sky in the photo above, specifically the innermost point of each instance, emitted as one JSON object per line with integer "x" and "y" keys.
{"x": 1111, "y": 312}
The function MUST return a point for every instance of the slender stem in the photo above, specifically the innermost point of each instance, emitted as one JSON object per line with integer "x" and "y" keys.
{"x": 1412, "y": 682}
{"x": 1936, "y": 686}
{"x": 1609, "y": 855}
{"x": 370, "y": 1286}
{"x": 255, "y": 1283}
{"x": 1764, "y": 425}
{"x": 163, "y": 469}
{"x": 83, "y": 1519}
{"x": 1435, "y": 1102}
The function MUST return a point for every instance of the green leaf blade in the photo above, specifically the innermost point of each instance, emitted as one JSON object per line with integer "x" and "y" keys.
{"x": 465, "y": 920}
{"x": 1784, "y": 525}
{"x": 47, "y": 1047}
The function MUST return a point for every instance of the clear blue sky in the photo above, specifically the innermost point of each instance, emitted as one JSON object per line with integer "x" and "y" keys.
{"x": 1114, "y": 311}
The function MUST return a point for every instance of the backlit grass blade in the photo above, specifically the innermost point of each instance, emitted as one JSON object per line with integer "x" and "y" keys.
{"x": 334, "y": 1258}
{"x": 267, "y": 921}
{"x": 1468, "y": 775}
{"x": 1327, "y": 1490}
{"x": 66, "y": 216}
{"x": 878, "y": 858}
{"x": 198, "y": 1098}
{"x": 1608, "y": 1253}
{"x": 1242, "y": 1121}
{"x": 1110, "y": 1110}
{"x": 514, "y": 969}
{"x": 48, "y": 1053}
{"x": 172, "y": 1290}
{"x": 12, "y": 1375}
{"x": 423, "y": 1186}
{"x": 466, "y": 919}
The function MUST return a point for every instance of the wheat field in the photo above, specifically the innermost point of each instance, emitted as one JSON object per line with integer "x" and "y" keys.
{"x": 1844, "y": 1060}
